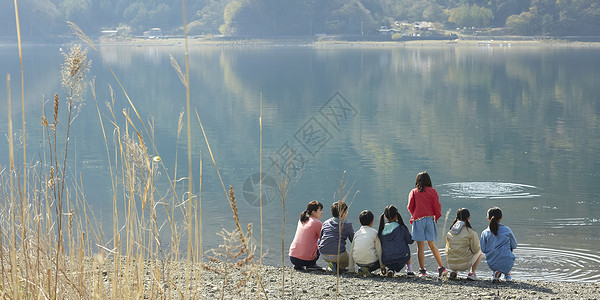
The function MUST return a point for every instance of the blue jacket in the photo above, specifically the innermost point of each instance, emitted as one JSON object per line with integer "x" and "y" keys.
{"x": 330, "y": 233}
{"x": 394, "y": 244}
{"x": 498, "y": 248}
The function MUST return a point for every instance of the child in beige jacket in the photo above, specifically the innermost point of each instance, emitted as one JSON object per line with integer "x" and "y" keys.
{"x": 463, "y": 252}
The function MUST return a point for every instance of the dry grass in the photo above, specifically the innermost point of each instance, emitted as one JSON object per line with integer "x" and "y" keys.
{"x": 51, "y": 245}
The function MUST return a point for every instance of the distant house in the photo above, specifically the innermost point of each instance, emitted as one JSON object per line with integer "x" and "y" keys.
{"x": 423, "y": 25}
{"x": 388, "y": 31}
{"x": 109, "y": 33}
{"x": 153, "y": 33}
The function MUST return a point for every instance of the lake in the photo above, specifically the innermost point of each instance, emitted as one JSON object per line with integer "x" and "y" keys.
{"x": 494, "y": 125}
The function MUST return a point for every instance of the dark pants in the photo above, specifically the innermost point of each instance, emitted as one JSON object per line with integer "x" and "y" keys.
{"x": 300, "y": 263}
{"x": 372, "y": 266}
{"x": 396, "y": 267}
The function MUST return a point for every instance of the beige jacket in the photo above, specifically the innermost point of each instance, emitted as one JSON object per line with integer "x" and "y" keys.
{"x": 462, "y": 244}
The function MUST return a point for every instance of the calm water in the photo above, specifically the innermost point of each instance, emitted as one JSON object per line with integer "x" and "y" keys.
{"x": 494, "y": 126}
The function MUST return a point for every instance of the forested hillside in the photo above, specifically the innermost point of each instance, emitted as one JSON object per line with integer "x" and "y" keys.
{"x": 299, "y": 17}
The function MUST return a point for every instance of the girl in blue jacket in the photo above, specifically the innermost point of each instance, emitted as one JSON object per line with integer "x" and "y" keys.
{"x": 497, "y": 243}
{"x": 394, "y": 237}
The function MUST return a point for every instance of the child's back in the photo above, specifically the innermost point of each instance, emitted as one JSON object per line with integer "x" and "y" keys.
{"x": 498, "y": 242}
{"x": 330, "y": 236}
{"x": 498, "y": 248}
{"x": 363, "y": 245}
{"x": 395, "y": 239}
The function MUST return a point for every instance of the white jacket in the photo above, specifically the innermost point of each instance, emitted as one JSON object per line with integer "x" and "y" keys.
{"x": 365, "y": 247}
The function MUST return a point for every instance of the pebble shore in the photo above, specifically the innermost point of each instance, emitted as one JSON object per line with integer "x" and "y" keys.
{"x": 325, "y": 285}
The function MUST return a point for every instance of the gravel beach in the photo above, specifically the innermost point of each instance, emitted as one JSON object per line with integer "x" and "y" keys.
{"x": 323, "y": 285}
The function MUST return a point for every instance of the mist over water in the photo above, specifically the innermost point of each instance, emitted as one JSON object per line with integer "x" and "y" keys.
{"x": 510, "y": 127}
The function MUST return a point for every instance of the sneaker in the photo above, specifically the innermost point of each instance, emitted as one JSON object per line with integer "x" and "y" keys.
{"x": 497, "y": 275}
{"x": 410, "y": 273}
{"x": 472, "y": 276}
{"x": 332, "y": 266}
{"x": 453, "y": 275}
{"x": 364, "y": 271}
{"x": 298, "y": 268}
{"x": 442, "y": 272}
{"x": 423, "y": 272}
{"x": 313, "y": 268}
{"x": 508, "y": 277}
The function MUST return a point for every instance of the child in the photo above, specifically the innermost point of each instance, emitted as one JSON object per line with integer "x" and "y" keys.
{"x": 425, "y": 209}
{"x": 303, "y": 251}
{"x": 365, "y": 249}
{"x": 333, "y": 244}
{"x": 498, "y": 242}
{"x": 462, "y": 246}
{"x": 395, "y": 238}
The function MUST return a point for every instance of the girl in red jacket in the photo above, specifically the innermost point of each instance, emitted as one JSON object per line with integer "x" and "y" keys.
{"x": 425, "y": 209}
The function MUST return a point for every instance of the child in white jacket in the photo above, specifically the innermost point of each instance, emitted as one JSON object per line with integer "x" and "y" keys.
{"x": 365, "y": 250}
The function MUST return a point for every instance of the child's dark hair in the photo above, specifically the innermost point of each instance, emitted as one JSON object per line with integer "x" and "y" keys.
{"x": 366, "y": 217}
{"x": 494, "y": 214}
{"x": 422, "y": 181}
{"x": 312, "y": 206}
{"x": 390, "y": 212}
{"x": 462, "y": 214}
{"x": 338, "y": 209}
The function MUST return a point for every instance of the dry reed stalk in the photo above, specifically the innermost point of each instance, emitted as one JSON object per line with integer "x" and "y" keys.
{"x": 235, "y": 253}
{"x": 189, "y": 142}
{"x": 284, "y": 178}
{"x": 446, "y": 221}
{"x": 260, "y": 199}
{"x": 24, "y": 189}
{"x": 18, "y": 23}
{"x": 198, "y": 233}
{"x": 12, "y": 196}
{"x": 342, "y": 199}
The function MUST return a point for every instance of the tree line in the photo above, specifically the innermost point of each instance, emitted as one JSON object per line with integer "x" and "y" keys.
{"x": 300, "y": 17}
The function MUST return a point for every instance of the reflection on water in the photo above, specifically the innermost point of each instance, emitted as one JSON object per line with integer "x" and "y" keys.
{"x": 515, "y": 128}
{"x": 488, "y": 190}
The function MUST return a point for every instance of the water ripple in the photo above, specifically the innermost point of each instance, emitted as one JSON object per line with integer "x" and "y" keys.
{"x": 567, "y": 265}
{"x": 488, "y": 190}
{"x": 546, "y": 264}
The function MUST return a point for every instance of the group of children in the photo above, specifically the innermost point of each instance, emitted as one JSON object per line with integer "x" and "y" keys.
{"x": 388, "y": 247}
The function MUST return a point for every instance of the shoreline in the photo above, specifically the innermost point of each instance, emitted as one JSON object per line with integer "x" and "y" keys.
{"x": 325, "y": 284}
{"x": 483, "y": 41}
{"x": 317, "y": 43}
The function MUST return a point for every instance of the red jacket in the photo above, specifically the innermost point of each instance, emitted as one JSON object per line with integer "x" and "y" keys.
{"x": 423, "y": 204}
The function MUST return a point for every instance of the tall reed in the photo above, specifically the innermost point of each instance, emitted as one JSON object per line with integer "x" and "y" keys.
{"x": 52, "y": 246}
{"x": 343, "y": 195}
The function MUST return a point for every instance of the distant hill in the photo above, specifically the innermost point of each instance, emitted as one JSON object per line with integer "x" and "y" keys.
{"x": 44, "y": 18}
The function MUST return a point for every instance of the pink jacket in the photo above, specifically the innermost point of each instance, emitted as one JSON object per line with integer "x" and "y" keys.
{"x": 306, "y": 239}
{"x": 423, "y": 204}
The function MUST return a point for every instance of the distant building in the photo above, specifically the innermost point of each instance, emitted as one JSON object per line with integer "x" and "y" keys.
{"x": 423, "y": 25}
{"x": 109, "y": 33}
{"x": 153, "y": 33}
{"x": 388, "y": 31}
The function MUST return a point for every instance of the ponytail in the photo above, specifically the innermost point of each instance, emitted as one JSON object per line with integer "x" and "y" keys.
{"x": 494, "y": 215}
{"x": 304, "y": 216}
{"x": 312, "y": 206}
{"x": 390, "y": 212}
{"x": 462, "y": 214}
{"x": 381, "y": 225}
